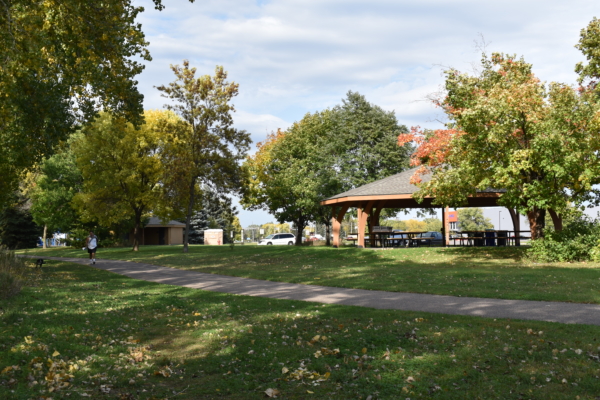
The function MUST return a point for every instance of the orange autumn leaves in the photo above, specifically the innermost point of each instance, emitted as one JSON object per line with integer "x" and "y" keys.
{"x": 432, "y": 149}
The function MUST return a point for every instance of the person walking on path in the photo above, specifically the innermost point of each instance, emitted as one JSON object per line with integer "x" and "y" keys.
{"x": 92, "y": 244}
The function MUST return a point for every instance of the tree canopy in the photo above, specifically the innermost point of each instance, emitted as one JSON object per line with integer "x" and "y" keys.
{"x": 121, "y": 167}
{"x": 323, "y": 154}
{"x": 508, "y": 131}
{"x": 52, "y": 192}
{"x": 472, "y": 219}
{"x": 62, "y": 61}
{"x": 209, "y": 153}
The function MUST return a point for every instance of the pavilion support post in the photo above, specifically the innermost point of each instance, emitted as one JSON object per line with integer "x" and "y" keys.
{"x": 363, "y": 214}
{"x": 337, "y": 224}
{"x": 360, "y": 230}
{"x": 516, "y": 225}
{"x": 374, "y": 221}
{"x": 445, "y": 226}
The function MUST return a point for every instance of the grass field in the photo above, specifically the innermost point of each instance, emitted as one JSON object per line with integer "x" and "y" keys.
{"x": 475, "y": 272}
{"x": 82, "y": 332}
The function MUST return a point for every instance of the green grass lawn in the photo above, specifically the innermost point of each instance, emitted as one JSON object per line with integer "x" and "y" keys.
{"x": 82, "y": 332}
{"x": 475, "y": 272}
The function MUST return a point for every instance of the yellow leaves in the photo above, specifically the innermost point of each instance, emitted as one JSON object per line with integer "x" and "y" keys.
{"x": 164, "y": 371}
{"x": 386, "y": 355}
{"x": 9, "y": 368}
{"x": 316, "y": 338}
{"x": 55, "y": 354}
{"x": 303, "y": 373}
{"x": 284, "y": 370}
{"x": 364, "y": 350}
{"x": 326, "y": 352}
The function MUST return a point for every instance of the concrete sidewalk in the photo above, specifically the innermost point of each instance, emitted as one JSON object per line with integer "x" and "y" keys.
{"x": 570, "y": 313}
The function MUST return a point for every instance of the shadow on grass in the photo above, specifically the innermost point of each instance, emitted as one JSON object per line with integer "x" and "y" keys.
{"x": 134, "y": 339}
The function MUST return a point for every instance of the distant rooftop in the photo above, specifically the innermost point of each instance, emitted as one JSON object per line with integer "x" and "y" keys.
{"x": 156, "y": 223}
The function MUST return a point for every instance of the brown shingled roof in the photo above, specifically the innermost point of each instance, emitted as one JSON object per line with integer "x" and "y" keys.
{"x": 395, "y": 184}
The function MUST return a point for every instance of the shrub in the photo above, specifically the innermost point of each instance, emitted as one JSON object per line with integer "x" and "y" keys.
{"x": 578, "y": 241}
{"x": 17, "y": 229}
{"x": 77, "y": 237}
{"x": 14, "y": 272}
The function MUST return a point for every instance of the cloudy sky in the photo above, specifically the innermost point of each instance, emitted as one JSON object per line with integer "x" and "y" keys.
{"x": 291, "y": 57}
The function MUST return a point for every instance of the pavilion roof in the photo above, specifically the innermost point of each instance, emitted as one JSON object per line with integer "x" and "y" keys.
{"x": 396, "y": 187}
{"x": 395, "y": 184}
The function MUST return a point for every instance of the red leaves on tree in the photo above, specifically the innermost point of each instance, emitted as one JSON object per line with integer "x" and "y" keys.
{"x": 432, "y": 148}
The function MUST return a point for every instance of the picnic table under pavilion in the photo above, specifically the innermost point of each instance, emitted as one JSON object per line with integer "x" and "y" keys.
{"x": 396, "y": 191}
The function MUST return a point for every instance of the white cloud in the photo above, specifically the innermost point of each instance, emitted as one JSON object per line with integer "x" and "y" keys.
{"x": 295, "y": 56}
{"x": 259, "y": 125}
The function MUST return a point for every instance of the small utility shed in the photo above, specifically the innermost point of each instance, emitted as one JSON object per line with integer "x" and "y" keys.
{"x": 395, "y": 191}
{"x": 156, "y": 232}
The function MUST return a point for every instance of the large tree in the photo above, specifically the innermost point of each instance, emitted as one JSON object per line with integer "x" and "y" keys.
{"x": 321, "y": 155}
{"x": 209, "y": 153}
{"x": 289, "y": 174}
{"x": 121, "y": 167}
{"x": 58, "y": 181}
{"x": 360, "y": 145}
{"x": 472, "y": 219}
{"x": 62, "y": 60}
{"x": 507, "y": 130}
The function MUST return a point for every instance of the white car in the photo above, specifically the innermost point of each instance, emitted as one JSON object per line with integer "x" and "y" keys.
{"x": 279, "y": 238}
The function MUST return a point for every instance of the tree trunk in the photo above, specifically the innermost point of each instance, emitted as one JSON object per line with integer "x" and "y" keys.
{"x": 328, "y": 234}
{"x": 536, "y": 217}
{"x": 188, "y": 216}
{"x": 300, "y": 224}
{"x": 556, "y": 220}
{"x": 137, "y": 230}
{"x": 44, "y": 238}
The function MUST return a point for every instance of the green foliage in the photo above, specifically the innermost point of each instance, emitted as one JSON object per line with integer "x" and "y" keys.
{"x": 77, "y": 238}
{"x": 287, "y": 175}
{"x": 215, "y": 211}
{"x": 121, "y": 167}
{"x": 578, "y": 241}
{"x": 14, "y": 273}
{"x": 361, "y": 146}
{"x": 321, "y": 155}
{"x": 589, "y": 43}
{"x": 210, "y": 150}
{"x": 17, "y": 228}
{"x": 53, "y": 191}
{"x": 62, "y": 61}
{"x": 271, "y": 228}
{"x": 472, "y": 219}
{"x": 433, "y": 224}
{"x": 538, "y": 142}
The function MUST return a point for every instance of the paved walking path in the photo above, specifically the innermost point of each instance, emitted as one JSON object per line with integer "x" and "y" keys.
{"x": 570, "y": 313}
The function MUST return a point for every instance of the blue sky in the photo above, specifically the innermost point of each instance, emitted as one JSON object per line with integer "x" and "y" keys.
{"x": 291, "y": 57}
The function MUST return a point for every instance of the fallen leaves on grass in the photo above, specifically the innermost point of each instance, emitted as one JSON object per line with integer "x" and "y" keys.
{"x": 272, "y": 392}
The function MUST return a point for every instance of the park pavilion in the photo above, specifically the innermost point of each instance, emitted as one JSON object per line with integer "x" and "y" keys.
{"x": 396, "y": 191}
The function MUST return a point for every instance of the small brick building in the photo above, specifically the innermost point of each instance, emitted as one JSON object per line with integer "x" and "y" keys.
{"x": 157, "y": 233}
